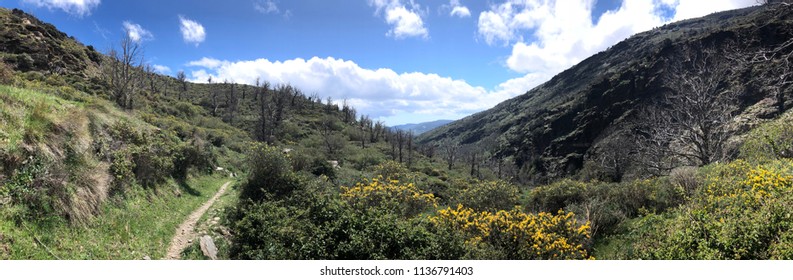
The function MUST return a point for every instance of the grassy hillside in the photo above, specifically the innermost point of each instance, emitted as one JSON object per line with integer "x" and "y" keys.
{"x": 81, "y": 178}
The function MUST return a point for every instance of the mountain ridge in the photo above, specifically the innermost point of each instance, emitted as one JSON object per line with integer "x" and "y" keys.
{"x": 422, "y": 127}
{"x": 551, "y": 131}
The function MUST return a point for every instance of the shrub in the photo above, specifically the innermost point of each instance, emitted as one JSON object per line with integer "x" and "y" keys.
{"x": 404, "y": 199}
{"x": 6, "y": 74}
{"x": 322, "y": 167}
{"x": 769, "y": 141}
{"x": 516, "y": 235}
{"x": 269, "y": 174}
{"x": 556, "y": 196}
{"x": 744, "y": 216}
{"x": 485, "y": 195}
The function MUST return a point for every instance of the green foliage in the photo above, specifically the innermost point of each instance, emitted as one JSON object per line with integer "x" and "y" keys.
{"x": 270, "y": 174}
{"x": 740, "y": 214}
{"x": 556, "y": 196}
{"x": 770, "y": 141}
{"x": 606, "y": 205}
{"x": 484, "y": 195}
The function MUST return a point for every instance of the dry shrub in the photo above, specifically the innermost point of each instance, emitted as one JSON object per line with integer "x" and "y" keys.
{"x": 685, "y": 178}
{"x": 6, "y": 74}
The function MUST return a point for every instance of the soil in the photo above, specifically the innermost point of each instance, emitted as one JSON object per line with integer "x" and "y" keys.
{"x": 185, "y": 233}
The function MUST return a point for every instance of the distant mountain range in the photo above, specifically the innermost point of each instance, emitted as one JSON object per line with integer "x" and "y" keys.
{"x": 419, "y": 128}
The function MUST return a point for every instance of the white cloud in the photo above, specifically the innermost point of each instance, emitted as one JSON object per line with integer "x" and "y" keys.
{"x": 561, "y": 33}
{"x": 461, "y": 12}
{"x": 266, "y": 6}
{"x": 404, "y": 22}
{"x": 162, "y": 69}
{"x": 270, "y": 7}
{"x": 136, "y": 32}
{"x": 78, "y": 8}
{"x": 376, "y": 92}
{"x": 686, "y": 9}
{"x": 206, "y": 62}
{"x": 457, "y": 9}
{"x": 192, "y": 31}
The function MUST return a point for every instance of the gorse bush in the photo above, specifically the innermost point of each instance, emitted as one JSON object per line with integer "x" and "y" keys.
{"x": 744, "y": 212}
{"x": 517, "y": 235}
{"x": 404, "y": 199}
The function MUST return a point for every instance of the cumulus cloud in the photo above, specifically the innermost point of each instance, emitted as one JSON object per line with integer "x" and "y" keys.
{"x": 548, "y": 36}
{"x": 136, "y": 32}
{"x": 78, "y": 8}
{"x": 206, "y": 62}
{"x": 404, "y": 22}
{"x": 457, "y": 9}
{"x": 192, "y": 31}
{"x": 162, "y": 69}
{"x": 380, "y": 93}
{"x": 461, "y": 12}
{"x": 685, "y": 9}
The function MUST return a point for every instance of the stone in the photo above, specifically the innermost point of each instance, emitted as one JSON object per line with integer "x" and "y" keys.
{"x": 146, "y": 258}
{"x": 208, "y": 247}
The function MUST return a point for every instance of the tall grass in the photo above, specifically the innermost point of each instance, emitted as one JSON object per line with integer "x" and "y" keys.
{"x": 141, "y": 224}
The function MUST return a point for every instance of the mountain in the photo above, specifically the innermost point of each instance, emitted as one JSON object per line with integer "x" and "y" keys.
{"x": 420, "y": 128}
{"x": 557, "y": 128}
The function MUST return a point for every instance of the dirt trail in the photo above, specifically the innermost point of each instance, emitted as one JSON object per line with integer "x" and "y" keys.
{"x": 185, "y": 231}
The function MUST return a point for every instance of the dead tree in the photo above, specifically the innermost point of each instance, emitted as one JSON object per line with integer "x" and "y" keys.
{"x": 123, "y": 71}
{"x": 183, "y": 82}
{"x": 450, "y": 150}
{"x": 689, "y": 124}
{"x": 232, "y": 103}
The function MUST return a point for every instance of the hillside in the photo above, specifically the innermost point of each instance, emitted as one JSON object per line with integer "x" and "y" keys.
{"x": 419, "y": 128}
{"x": 555, "y": 129}
{"x": 673, "y": 144}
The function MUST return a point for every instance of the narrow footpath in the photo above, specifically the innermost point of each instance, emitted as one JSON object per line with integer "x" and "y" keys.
{"x": 186, "y": 231}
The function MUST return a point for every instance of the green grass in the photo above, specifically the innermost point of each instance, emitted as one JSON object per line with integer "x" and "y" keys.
{"x": 141, "y": 224}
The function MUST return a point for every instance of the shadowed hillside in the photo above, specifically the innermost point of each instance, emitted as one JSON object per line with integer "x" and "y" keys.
{"x": 578, "y": 117}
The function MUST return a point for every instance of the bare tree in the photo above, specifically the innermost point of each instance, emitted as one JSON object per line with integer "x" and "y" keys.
{"x": 409, "y": 138}
{"x": 183, "y": 82}
{"x": 151, "y": 77}
{"x": 123, "y": 71}
{"x": 450, "y": 150}
{"x": 777, "y": 61}
{"x": 232, "y": 103}
{"x": 266, "y": 112}
{"x": 314, "y": 99}
{"x": 689, "y": 125}
{"x": 364, "y": 126}
{"x": 334, "y": 142}
{"x": 378, "y": 131}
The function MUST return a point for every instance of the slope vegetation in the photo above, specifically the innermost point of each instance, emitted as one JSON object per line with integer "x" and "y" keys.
{"x": 553, "y": 130}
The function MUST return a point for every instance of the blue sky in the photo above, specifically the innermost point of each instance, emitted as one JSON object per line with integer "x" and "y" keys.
{"x": 399, "y": 61}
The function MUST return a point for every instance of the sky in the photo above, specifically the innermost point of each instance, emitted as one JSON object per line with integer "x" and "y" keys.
{"x": 399, "y": 61}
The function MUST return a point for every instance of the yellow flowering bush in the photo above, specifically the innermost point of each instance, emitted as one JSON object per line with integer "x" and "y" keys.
{"x": 515, "y": 234}
{"x": 744, "y": 212}
{"x": 405, "y": 199}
